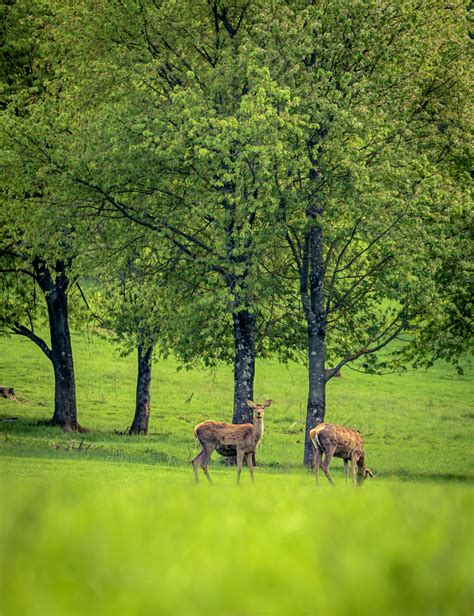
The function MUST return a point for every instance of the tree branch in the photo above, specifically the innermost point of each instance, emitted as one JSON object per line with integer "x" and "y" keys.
{"x": 21, "y": 330}
{"x": 376, "y": 268}
{"x": 16, "y": 270}
{"x": 371, "y": 243}
{"x": 369, "y": 350}
{"x": 338, "y": 261}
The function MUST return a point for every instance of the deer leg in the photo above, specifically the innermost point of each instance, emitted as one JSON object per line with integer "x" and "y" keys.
{"x": 354, "y": 478}
{"x": 317, "y": 462}
{"x": 327, "y": 461}
{"x": 205, "y": 462}
{"x": 346, "y": 469}
{"x": 354, "y": 460}
{"x": 240, "y": 461}
{"x": 195, "y": 464}
{"x": 250, "y": 464}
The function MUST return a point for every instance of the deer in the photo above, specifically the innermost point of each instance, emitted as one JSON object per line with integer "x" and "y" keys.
{"x": 342, "y": 442}
{"x": 244, "y": 437}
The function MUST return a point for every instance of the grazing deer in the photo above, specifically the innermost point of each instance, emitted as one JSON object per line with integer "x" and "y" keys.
{"x": 345, "y": 443}
{"x": 244, "y": 437}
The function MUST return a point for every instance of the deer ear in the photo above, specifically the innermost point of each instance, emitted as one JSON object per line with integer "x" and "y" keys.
{"x": 368, "y": 472}
{"x": 250, "y": 404}
{"x": 266, "y": 403}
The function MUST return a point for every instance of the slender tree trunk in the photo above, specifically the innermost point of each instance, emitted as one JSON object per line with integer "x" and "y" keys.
{"x": 244, "y": 372}
{"x": 142, "y": 405}
{"x": 244, "y": 365}
{"x": 316, "y": 406}
{"x": 243, "y": 320}
{"x": 313, "y": 298}
{"x": 65, "y": 410}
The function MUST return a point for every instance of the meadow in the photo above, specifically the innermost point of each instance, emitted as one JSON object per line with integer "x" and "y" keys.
{"x": 103, "y": 523}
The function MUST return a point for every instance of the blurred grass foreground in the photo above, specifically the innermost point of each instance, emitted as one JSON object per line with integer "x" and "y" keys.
{"x": 144, "y": 540}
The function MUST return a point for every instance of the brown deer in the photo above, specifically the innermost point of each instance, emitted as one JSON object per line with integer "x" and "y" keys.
{"x": 244, "y": 437}
{"x": 342, "y": 442}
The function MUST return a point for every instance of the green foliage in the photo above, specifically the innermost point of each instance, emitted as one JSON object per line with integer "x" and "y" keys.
{"x": 197, "y": 139}
{"x": 22, "y": 63}
{"x": 381, "y": 111}
{"x": 39, "y": 229}
{"x": 229, "y": 134}
{"x": 184, "y": 148}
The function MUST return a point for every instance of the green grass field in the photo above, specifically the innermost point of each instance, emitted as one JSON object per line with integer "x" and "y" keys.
{"x": 104, "y": 523}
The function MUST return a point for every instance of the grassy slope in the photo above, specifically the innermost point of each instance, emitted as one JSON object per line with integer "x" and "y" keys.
{"x": 417, "y": 424}
{"x": 121, "y": 529}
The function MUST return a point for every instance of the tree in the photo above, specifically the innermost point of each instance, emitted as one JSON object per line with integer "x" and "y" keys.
{"x": 128, "y": 302}
{"x": 379, "y": 90}
{"x": 192, "y": 124}
{"x": 37, "y": 245}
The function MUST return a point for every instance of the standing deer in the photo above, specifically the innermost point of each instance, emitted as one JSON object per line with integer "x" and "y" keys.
{"x": 244, "y": 437}
{"x": 345, "y": 443}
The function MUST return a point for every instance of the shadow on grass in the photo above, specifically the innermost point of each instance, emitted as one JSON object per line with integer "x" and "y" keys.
{"x": 32, "y": 438}
{"x": 52, "y": 453}
{"x": 407, "y": 475}
{"x": 161, "y": 458}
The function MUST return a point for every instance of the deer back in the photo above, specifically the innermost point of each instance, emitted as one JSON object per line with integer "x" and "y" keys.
{"x": 346, "y": 441}
{"x": 221, "y": 433}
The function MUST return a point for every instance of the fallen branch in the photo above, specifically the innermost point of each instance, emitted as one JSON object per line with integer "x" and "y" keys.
{"x": 72, "y": 446}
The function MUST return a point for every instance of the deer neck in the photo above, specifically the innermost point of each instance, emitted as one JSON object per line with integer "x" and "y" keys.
{"x": 361, "y": 465}
{"x": 258, "y": 424}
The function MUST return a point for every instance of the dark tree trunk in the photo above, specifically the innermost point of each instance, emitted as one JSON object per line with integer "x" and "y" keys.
{"x": 313, "y": 298}
{"x": 316, "y": 406}
{"x": 65, "y": 411}
{"x": 142, "y": 405}
{"x": 244, "y": 365}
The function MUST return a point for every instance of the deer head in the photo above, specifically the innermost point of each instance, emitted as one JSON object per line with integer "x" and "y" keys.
{"x": 362, "y": 474}
{"x": 258, "y": 409}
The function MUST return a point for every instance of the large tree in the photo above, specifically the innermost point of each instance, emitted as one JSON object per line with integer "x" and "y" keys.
{"x": 130, "y": 301}
{"x": 37, "y": 244}
{"x": 299, "y": 157}
{"x": 182, "y": 141}
{"x": 380, "y": 92}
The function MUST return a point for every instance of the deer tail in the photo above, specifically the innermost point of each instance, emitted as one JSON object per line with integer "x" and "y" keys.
{"x": 314, "y": 434}
{"x": 197, "y": 428}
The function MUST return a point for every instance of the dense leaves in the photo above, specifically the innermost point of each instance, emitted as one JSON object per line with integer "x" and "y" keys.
{"x": 276, "y": 177}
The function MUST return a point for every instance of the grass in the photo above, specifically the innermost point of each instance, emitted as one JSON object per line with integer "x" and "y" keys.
{"x": 103, "y": 523}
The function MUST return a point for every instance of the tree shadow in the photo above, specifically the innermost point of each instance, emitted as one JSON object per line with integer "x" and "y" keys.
{"x": 408, "y": 475}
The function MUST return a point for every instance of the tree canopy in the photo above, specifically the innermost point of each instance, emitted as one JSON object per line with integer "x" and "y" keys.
{"x": 301, "y": 171}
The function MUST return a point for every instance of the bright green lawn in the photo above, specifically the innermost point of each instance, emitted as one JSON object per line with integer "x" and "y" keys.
{"x": 416, "y": 425}
{"x": 114, "y": 538}
{"x": 118, "y": 527}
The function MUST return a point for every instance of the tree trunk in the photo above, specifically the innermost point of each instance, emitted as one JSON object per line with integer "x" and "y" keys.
{"x": 316, "y": 406}
{"x": 244, "y": 365}
{"x": 142, "y": 405}
{"x": 313, "y": 298}
{"x": 65, "y": 411}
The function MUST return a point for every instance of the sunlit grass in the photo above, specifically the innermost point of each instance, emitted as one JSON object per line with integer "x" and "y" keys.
{"x": 405, "y": 419}
{"x": 104, "y": 523}
{"x": 135, "y": 539}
